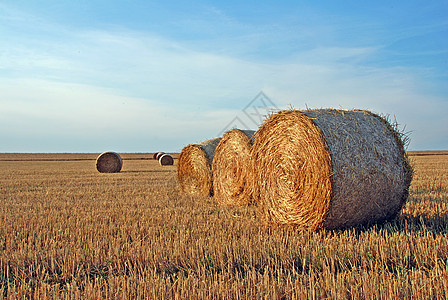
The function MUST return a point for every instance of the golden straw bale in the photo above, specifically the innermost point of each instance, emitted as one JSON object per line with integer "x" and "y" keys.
{"x": 329, "y": 168}
{"x": 166, "y": 160}
{"x": 194, "y": 168}
{"x": 109, "y": 162}
{"x": 230, "y": 168}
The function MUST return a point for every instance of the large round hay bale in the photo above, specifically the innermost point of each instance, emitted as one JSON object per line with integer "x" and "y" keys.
{"x": 109, "y": 162}
{"x": 166, "y": 160}
{"x": 158, "y": 154}
{"x": 329, "y": 168}
{"x": 230, "y": 168}
{"x": 194, "y": 168}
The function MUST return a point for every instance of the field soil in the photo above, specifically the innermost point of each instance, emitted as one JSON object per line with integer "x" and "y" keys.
{"x": 68, "y": 231}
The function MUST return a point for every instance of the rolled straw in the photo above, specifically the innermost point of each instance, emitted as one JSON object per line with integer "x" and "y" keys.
{"x": 109, "y": 162}
{"x": 166, "y": 160}
{"x": 157, "y": 155}
{"x": 231, "y": 166}
{"x": 194, "y": 168}
{"x": 329, "y": 168}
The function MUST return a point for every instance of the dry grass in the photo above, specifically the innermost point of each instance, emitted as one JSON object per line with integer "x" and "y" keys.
{"x": 68, "y": 231}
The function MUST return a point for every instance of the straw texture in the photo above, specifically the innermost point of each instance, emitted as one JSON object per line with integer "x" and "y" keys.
{"x": 166, "y": 160}
{"x": 230, "y": 168}
{"x": 194, "y": 168}
{"x": 109, "y": 162}
{"x": 329, "y": 168}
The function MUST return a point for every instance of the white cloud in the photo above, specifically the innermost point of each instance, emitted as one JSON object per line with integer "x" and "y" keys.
{"x": 48, "y": 111}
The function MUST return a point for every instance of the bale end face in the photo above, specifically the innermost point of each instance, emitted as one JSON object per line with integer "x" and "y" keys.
{"x": 193, "y": 171}
{"x": 158, "y": 155}
{"x": 292, "y": 171}
{"x": 194, "y": 168}
{"x": 230, "y": 168}
{"x": 166, "y": 160}
{"x": 109, "y": 162}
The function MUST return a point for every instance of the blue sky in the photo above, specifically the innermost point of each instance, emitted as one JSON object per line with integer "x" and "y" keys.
{"x": 144, "y": 76}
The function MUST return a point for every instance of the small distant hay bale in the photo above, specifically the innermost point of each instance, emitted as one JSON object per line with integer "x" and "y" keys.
{"x": 157, "y": 155}
{"x": 194, "y": 168}
{"x": 329, "y": 168}
{"x": 109, "y": 162}
{"x": 166, "y": 160}
{"x": 230, "y": 168}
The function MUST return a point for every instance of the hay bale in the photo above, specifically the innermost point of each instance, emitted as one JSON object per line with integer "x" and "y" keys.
{"x": 194, "y": 168}
{"x": 166, "y": 160}
{"x": 157, "y": 155}
{"x": 329, "y": 168}
{"x": 230, "y": 168}
{"x": 109, "y": 162}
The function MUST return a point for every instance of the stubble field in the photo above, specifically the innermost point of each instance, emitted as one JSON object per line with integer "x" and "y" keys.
{"x": 67, "y": 231}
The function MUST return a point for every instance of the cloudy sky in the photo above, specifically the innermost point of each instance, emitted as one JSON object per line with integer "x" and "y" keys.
{"x": 142, "y": 76}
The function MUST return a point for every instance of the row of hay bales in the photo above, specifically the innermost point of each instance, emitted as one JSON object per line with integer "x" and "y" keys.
{"x": 111, "y": 162}
{"x": 322, "y": 168}
{"x": 164, "y": 159}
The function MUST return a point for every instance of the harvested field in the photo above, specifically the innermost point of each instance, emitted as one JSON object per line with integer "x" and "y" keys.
{"x": 426, "y": 153}
{"x": 68, "y": 231}
{"x": 72, "y": 156}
